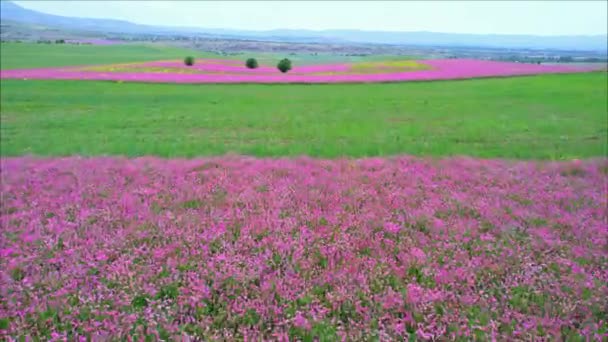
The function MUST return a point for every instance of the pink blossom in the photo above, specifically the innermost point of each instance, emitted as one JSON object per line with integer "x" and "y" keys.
{"x": 300, "y": 321}
{"x": 263, "y": 246}
{"x": 418, "y": 254}
{"x": 228, "y": 72}
{"x": 392, "y": 228}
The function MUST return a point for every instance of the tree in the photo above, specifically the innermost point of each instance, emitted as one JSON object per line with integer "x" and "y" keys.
{"x": 189, "y": 61}
{"x": 284, "y": 65}
{"x": 251, "y": 63}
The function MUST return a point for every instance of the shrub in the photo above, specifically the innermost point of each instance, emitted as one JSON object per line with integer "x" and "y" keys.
{"x": 251, "y": 63}
{"x": 60, "y": 41}
{"x": 189, "y": 61}
{"x": 284, "y": 65}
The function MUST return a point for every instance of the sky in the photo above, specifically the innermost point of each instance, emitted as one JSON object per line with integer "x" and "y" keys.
{"x": 547, "y": 18}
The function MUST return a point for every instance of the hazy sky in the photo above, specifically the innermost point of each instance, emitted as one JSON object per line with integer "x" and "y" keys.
{"x": 502, "y": 17}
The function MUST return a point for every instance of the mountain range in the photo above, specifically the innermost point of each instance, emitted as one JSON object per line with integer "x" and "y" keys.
{"x": 10, "y": 11}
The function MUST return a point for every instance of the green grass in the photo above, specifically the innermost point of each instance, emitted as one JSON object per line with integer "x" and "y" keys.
{"x": 269, "y": 58}
{"x": 541, "y": 117}
{"x": 31, "y": 55}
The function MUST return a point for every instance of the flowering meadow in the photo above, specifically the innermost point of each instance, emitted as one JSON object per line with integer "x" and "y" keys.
{"x": 239, "y": 248}
{"x": 230, "y": 71}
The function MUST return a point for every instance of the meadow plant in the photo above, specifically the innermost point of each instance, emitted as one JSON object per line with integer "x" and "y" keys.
{"x": 237, "y": 248}
{"x": 214, "y": 71}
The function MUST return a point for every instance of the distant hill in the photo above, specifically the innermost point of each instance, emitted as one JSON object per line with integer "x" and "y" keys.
{"x": 11, "y": 11}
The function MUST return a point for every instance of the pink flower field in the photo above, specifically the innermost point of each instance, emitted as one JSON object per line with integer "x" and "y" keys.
{"x": 238, "y": 248}
{"x": 230, "y": 71}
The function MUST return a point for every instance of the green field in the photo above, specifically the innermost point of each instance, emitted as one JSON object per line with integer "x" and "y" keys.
{"x": 31, "y": 55}
{"x": 540, "y": 117}
{"x": 28, "y": 55}
{"x": 268, "y": 58}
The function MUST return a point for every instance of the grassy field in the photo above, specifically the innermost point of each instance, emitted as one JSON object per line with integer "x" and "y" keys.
{"x": 252, "y": 249}
{"x": 29, "y": 55}
{"x": 540, "y": 117}
{"x": 268, "y": 58}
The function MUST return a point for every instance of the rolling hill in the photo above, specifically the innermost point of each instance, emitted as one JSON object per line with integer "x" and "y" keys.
{"x": 13, "y": 12}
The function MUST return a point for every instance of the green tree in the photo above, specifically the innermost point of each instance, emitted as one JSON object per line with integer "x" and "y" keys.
{"x": 189, "y": 61}
{"x": 251, "y": 63}
{"x": 284, "y": 65}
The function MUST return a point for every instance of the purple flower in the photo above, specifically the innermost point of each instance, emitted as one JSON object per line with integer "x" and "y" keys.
{"x": 265, "y": 248}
